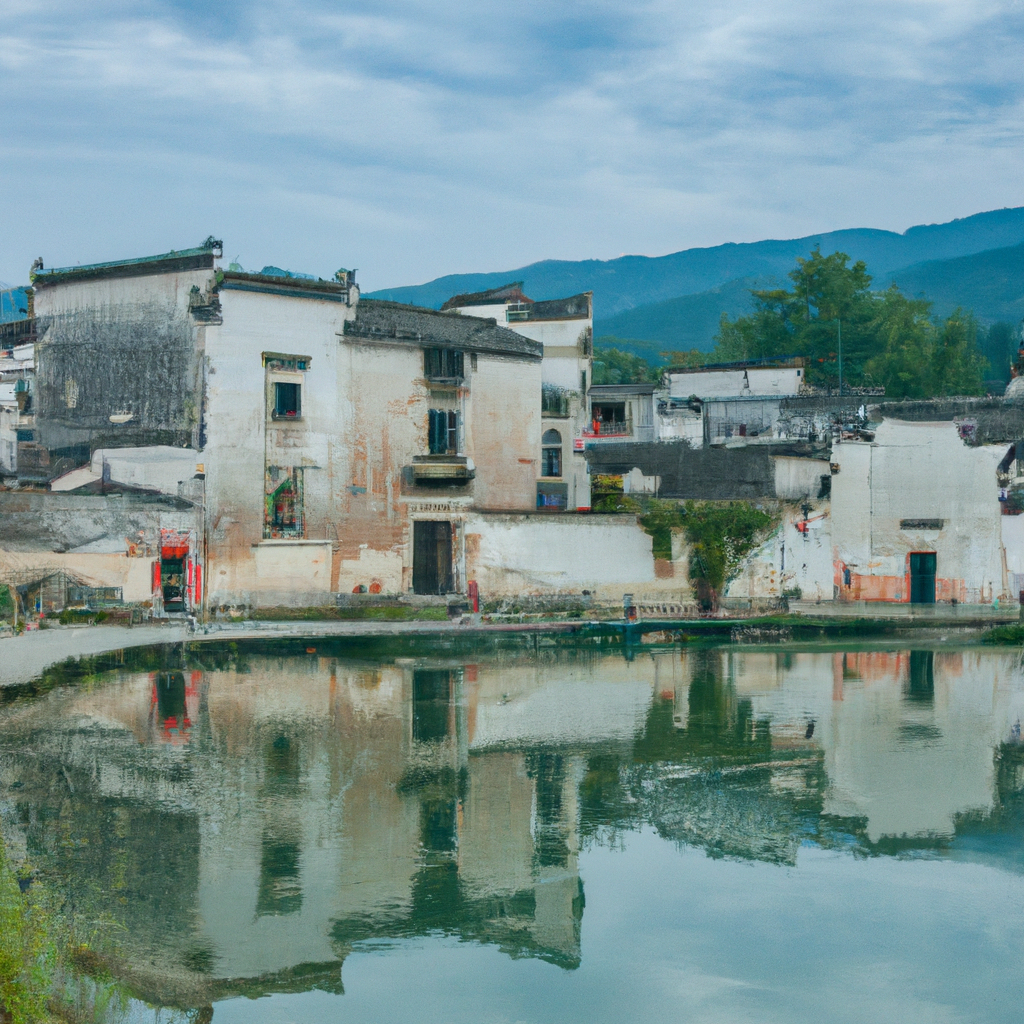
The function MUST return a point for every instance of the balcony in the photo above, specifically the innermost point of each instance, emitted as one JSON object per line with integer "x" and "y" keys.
{"x": 612, "y": 428}
{"x": 438, "y": 470}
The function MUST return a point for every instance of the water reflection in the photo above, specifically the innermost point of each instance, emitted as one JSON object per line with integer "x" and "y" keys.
{"x": 250, "y": 825}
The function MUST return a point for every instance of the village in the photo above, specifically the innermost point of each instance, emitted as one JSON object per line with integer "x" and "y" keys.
{"x": 191, "y": 440}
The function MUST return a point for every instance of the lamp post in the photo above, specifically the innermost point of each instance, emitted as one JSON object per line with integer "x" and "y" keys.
{"x": 839, "y": 332}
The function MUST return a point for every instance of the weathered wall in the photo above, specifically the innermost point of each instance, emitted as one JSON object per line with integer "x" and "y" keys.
{"x": 503, "y": 435}
{"x": 770, "y": 380}
{"x": 714, "y": 474}
{"x": 364, "y": 419}
{"x": 35, "y": 521}
{"x": 134, "y": 575}
{"x": 555, "y": 554}
{"x": 242, "y": 440}
{"x": 1012, "y": 529}
{"x": 800, "y": 478}
{"x": 797, "y": 557}
{"x": 912, "y": 472}
{"x": 119, "y": 345}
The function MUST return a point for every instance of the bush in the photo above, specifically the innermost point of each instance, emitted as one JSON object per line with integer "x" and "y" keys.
{"x": 1004, "y": 635}
{"x": 27, "y": 953}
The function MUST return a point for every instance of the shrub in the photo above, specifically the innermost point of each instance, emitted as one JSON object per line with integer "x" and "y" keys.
{"x": 27, "y": 953}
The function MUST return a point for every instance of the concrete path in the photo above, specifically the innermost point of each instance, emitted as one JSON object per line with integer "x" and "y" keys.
{"x": 24, "y": 658}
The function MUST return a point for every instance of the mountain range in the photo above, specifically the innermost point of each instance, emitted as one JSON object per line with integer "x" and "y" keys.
{"x": 675, "y": 301}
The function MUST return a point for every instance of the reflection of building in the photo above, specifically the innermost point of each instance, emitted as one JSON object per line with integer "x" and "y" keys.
{"x": 250, "y": 835}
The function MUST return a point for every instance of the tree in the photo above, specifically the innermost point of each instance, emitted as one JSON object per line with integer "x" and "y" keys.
{"x": 957, "y": 365}
{"x": 802, "y": 321}
{"x": 999, "y": 347}
{"x": 904, "y": 333}
{"x": 887, "y": 338}
{"x": 613, "y": 366}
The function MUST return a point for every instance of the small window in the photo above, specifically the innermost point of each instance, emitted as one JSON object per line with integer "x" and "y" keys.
{"x": 444, "y": 432}
{"x": 554, "y": 401}
{"x": 443, "y": 364}
{"x": 287, "y": 400}
{"x": 551, "y": 453}
{"x": 551, "y": 462}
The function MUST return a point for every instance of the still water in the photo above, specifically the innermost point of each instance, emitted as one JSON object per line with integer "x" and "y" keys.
{"x": 554, "y": 835}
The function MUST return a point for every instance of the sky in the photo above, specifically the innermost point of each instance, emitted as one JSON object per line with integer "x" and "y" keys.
{"x": 412, "y": 139}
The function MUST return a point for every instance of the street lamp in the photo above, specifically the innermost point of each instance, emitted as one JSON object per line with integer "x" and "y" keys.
{"x": 839, "y": 332}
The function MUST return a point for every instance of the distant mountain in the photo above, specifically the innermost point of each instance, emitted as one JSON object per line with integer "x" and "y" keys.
{"x": 686, "y": 322}
{"x": 632, "y": 281}
{"x": 990, "y": 283}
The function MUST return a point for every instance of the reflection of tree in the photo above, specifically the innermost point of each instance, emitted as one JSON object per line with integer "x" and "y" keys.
{"x": 120, "y": 820}
{"x": 717, "y": 783}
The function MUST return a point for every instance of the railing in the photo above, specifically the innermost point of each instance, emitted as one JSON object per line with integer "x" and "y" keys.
{"x": 613, "y": 429}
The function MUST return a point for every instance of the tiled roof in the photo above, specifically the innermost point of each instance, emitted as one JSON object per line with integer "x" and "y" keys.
{"x": 492, "y": 297}
{"x": 377, "y": 319}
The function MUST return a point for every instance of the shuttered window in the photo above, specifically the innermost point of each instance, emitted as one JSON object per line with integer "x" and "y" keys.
{"x": 444, "y": 432}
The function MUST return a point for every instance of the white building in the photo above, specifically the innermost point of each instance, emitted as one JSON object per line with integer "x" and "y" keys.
{"x": 565, "y": 328}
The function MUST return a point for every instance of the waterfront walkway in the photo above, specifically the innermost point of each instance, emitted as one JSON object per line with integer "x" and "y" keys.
{"x": 24, "y": 658}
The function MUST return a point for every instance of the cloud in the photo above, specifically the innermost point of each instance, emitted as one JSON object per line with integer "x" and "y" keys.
{"x": 413, "y": 140}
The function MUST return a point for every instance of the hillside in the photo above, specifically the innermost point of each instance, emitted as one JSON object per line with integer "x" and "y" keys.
{"x": 686, "y": 322}
{"x": 990, "y": 283}
{"x": 632, "y": 281}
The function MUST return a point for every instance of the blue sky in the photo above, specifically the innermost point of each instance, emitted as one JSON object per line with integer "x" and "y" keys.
{"x": 412, "y": 139}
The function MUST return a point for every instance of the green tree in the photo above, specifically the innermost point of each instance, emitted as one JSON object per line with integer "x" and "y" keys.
{"x": 803, "y": 321}
{"x": 721, "y": 535}
{"x": 958, "y": 367}
{"x": 905, "y": 335}
{"x": 887, "y": 338}
{"x": 613, "y": 366}
{"x": 998, "y": 345}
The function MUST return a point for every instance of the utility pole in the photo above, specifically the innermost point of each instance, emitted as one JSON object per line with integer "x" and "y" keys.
{"x": 839, "y": 331}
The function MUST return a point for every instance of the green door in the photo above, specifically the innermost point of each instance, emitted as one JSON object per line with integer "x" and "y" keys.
{"x": 922, "y": 577}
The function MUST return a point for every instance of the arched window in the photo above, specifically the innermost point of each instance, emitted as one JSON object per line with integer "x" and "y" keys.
{"x": 551, "y": 453}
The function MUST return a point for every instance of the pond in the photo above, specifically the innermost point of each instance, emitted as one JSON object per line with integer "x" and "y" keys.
{"x": 719, "y": 834}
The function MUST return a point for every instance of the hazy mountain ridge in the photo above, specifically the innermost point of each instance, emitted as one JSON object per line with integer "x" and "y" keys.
{"x": 990, "y": 283}
{"x": 629, "y": 282}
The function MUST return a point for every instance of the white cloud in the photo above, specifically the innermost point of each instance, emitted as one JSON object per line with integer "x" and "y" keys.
{"x": 414, "y": 140}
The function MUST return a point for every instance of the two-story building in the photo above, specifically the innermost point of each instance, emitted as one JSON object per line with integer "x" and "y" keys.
{"x": 565, "y": 328}
{"x": 342, "y": 441}
{"x": 330, "y": 444}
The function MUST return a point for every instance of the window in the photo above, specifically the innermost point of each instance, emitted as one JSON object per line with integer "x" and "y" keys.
{"x": 443, "y": 364}
{"x": 551, "y": 453}
{"x": 554, "y": 401}
{"x": 283, "y": 502}
{"x": 444, "y": 432}
{"x": 287, "y": 400}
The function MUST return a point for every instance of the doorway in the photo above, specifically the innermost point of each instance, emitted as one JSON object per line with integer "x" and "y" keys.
{"x": 922, "y": 577}
{"x": 432, "y": 557}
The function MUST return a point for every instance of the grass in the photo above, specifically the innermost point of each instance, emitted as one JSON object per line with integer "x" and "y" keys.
{"x": 358, "y": 613}
{"x": 48, "y": 974}
{"x": 1004, "y": 635}
{"x": 28, "y": 952}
